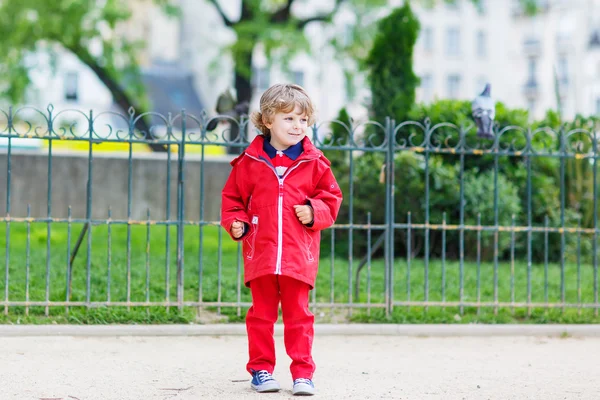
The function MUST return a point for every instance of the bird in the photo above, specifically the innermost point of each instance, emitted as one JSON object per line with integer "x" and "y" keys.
{"x": 484, "y": 110}
{"x": 227, "y": 106}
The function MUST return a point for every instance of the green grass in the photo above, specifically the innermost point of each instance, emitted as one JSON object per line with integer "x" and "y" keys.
{"x": 148, "y": 280}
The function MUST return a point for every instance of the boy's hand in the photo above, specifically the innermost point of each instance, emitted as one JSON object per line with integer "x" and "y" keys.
{"x": 304, "y": 213}
{"x": 237, "y": 229}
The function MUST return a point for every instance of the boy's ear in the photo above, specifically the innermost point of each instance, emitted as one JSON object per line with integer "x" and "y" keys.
{"x": 266, "y": 122}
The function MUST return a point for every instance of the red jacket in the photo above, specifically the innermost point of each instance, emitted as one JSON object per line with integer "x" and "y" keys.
{"x": 275, "y": 241}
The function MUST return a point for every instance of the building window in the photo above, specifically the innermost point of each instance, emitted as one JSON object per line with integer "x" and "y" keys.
{"x": 532, "y": 47}
{"x": 597, "y": 106}
{"x": 453, "y": 86}
{"x": 427, "y": 39}
{"x": 427, "y": 88}
{"x": 71, "y": 85}
{"x": 261, "y": 78}
{"x": 563, "y": 70}
{"x": 298, "y": 77}
{"x": 453, "y": 41}
{"x": 481, "y": 44}
{"x": 531, "y": 70}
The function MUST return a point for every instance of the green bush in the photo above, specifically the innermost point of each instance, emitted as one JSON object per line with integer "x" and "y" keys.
{"x": 478, "y": 177}
{"x": 479, "y": 207}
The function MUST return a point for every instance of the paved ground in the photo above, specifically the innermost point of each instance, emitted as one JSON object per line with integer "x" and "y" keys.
{"x": 105, "y": 367}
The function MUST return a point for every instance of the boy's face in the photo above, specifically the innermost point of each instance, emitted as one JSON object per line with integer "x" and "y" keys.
{"x": 287, "y": 129}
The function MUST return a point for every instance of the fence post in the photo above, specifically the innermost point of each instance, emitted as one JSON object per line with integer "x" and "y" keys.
{"x": 7, "y": 215}
{"x": 595, "y": 243}
{"x": 180, "y": 213}
{"x": 389, "y": 216}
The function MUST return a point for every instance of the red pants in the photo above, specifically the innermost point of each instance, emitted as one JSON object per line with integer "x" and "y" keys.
{"x": 298, "y": 332}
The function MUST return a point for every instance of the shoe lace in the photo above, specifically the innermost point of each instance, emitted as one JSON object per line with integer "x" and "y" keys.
{"x": 303, "y": 380}
{"x": 264, "y": 376}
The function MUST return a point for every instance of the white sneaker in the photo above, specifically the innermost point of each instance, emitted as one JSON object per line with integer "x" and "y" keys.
{"x": 303, "y": 387}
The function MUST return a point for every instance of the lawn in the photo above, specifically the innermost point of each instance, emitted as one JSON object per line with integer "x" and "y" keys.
{"x": 145, "y": 273}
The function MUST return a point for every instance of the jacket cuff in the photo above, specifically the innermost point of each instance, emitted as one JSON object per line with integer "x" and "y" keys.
{"x": 321, "y": 215}
{"x": 310, "y": 225}
{"x": 227, "y": 225}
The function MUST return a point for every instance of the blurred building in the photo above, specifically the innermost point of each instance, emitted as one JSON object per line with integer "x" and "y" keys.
{"x": 536, "y": 63}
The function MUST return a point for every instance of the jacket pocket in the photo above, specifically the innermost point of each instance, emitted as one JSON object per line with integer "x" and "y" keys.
{"x": 308, "y": 242}
{"x": 251, "y": 238}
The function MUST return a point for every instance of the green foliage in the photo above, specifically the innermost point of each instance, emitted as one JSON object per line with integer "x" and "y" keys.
{"x": 30, "y": 26}
{"x": 578, "y": 139}
{"x": 458, "y": 112}
{"x": 391, "y": 77}
{"x": 274, "y": 25}
{"x": 479, "y": 203}
{"x": 446, "y": 121}
{"x": 341, "y": 131}
{"x": 91, "y": 31}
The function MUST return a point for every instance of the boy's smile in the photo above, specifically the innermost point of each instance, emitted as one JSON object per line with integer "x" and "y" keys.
{"x": 287, "y": 129}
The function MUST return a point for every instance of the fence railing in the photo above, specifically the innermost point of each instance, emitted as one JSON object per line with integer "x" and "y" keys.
{"x": 433, "y": 216}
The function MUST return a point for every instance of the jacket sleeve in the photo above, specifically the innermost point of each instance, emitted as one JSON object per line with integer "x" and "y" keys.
{"x": 325, "y": 202}
{"x": 233, "y": 204}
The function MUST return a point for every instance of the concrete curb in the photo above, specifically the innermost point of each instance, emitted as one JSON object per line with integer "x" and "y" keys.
{"x": 421, "y": 330}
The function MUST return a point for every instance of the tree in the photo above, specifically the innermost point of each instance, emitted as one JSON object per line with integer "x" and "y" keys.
{"x": 28, "y": 26}
{"x": 273, "y": 24}
{"x": 391, "y": 76}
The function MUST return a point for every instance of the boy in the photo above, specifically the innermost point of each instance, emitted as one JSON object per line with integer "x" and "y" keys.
{"x": 280, "y": 194}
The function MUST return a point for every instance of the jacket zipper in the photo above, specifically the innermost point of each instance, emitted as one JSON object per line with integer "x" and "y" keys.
{"x": 280, "y": 207}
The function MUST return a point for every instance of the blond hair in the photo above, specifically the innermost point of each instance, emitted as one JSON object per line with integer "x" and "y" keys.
{"x": 282, "y": 98}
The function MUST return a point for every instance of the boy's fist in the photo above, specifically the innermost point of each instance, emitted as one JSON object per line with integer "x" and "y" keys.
{"x": 237, "y": 229}
{"x": 305, "y": 214}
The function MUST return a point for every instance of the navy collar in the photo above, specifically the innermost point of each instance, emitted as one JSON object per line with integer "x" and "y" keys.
{"x": 292, "y": 152}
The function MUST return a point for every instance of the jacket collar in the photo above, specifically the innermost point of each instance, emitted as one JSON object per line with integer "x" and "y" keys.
{"x": 292, "y": 152}
{"x": 256, "y": 147}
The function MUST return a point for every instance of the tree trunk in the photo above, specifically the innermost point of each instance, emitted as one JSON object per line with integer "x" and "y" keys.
{"x": 125, "y": 103}
{"x": 243, "y": 89}
{"x": 119, "y": 96}
{"x": 243, "y": 86}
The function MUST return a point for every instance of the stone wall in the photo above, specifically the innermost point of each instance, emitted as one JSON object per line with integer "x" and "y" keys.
{"x": 110, "y": 177}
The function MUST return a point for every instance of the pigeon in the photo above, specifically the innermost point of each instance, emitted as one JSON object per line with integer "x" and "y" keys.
{"x": 484, "y": 111}
{"x": 227, "y": 106}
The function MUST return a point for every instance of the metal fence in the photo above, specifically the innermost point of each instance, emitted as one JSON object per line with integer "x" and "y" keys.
{"x": 433, "y": 216}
